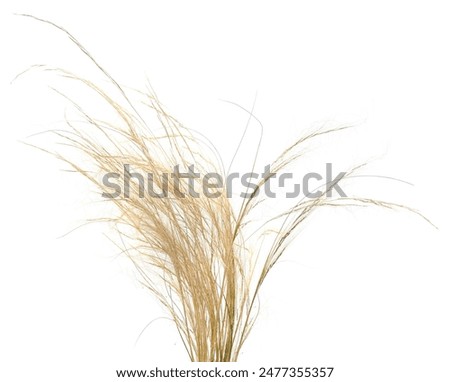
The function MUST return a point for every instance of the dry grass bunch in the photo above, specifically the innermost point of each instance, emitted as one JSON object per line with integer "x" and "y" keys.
{"x": 193, "y": 253}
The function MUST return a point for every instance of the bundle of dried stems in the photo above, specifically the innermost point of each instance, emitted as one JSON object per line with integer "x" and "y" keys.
{"x": 192, "y": 253}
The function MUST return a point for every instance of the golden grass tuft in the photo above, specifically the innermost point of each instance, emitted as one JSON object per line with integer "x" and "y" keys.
{"x": 193, "y": 254}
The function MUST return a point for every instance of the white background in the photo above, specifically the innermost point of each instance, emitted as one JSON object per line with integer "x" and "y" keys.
{"x": 366, "y": 291}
